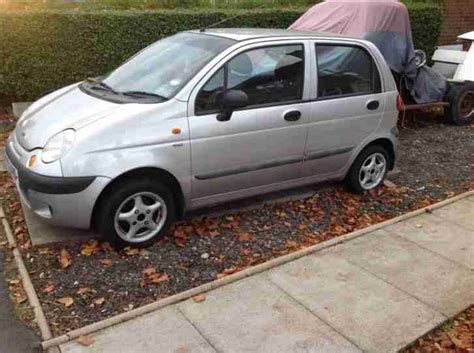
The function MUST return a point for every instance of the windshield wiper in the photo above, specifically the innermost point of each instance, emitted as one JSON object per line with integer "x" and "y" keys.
{"x": 143, "y": 94}
{"x": 101, "y": 85}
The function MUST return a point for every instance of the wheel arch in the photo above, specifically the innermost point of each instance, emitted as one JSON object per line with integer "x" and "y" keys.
{"x": 161, "y": 175}
{"x": 388, "y": 145}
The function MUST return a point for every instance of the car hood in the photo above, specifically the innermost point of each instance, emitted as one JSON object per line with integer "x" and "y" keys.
{"x": 67, "y": 108}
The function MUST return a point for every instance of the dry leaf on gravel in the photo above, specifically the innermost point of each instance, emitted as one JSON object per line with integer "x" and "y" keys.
{"x": 49, "y": 288}
{"x": 131, "y": 251}
{"x": 230, "y": 270}
{"x": 244, "y": 237}
{"x": 83, "y": 290}
{"x": 156, "y": 278}
{"x": 85, "y": 340}
{"x": 64, "y": 258}
{"x": 199, "y": 298}
{"x": 106, "y": 247}
{"x": 214, "y": 233}
{"x": 458, "y": 343}
{"x": 149, "y": 271}
{"x": 99, "y": 301}
{"x": 66, "y": 301}
{"x": 302, "y": 226}
{"x": 106, "y": 262}
{"x": 90, "y": 248}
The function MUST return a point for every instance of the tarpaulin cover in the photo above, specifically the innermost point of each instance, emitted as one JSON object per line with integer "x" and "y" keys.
{"x": 385, "y": 23}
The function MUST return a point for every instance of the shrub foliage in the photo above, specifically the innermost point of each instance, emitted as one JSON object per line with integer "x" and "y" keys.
{"x": 45, "y": 50}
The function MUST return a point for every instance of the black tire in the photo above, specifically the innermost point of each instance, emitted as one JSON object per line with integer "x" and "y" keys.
{"x": 461, "y": 99}
{"x": 352, "y": 181}
{"x": 118, "y": 194}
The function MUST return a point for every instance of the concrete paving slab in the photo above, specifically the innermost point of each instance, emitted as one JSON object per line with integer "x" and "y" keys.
{"x": 374, "y": 315}
{"x": 438, "y": 282}
{"x": 253, "y": 315}
{"x": 445, "y": 238}
{"x": 461, "y": 212}
{"x": 163, "y": 331}
{"x": 42, "y": 233}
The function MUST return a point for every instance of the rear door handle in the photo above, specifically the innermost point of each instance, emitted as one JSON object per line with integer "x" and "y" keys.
{"x": 373, "y": 105}
{"x": 293, "y": 116}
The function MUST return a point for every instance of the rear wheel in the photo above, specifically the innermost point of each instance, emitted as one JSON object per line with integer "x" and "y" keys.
{"x": 136, "y": 213}
{"x": 461, "y": 99}
{"x": 368, "y": 170}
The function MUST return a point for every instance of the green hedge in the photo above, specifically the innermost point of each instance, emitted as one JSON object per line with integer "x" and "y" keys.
{"x": 42, "y": 51}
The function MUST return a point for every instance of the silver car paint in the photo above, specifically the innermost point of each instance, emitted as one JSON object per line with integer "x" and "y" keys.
{"x": 112, "y": 139}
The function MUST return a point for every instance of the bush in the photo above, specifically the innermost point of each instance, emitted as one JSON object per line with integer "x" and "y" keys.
{"x": 42, "y": 51}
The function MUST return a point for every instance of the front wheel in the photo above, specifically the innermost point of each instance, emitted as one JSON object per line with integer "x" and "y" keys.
{"x": 136, "y": 213}
{"x": 461, "y": 99}
{"x": 368, "y": 170}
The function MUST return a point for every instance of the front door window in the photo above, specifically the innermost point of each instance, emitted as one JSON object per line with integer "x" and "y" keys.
{"x": 270, "y": 75}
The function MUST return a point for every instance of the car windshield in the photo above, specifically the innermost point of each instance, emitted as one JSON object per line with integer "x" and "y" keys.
{"x": 165, "y": 66}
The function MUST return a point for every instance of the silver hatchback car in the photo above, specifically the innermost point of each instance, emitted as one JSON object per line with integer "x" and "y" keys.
{"x": 204, "y": 117}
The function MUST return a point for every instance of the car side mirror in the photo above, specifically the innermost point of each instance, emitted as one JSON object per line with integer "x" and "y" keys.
{"x": 232, "y": 100}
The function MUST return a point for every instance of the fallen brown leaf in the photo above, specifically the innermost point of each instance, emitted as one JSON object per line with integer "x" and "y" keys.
{"x": 230, "y": 270}
{"x": 214, "y": 233}
{"x": 106, "y": 247}
{"x": 83, "y": 290}
{"x": 106, "y": 262}
{"x": 156, "y": 278}
{"x": 99, "y": 301}
{"x": 85, "y": 340}
{"x": 149, "y": 271}
{"x": 244, "y": 237}
{"x": 90, "y": 248}
{"x": 66, "y": 301}
{"x": 199, "y": 298}
{"x": 49, "y": 288}
{"x": 458, "y": 343}
{"x": 131, "y": 251}
{"x": 302, "y": 226}
{"x": 64, "y": 258}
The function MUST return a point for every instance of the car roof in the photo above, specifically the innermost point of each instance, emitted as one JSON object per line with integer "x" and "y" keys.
{"x": 241, "y": 34}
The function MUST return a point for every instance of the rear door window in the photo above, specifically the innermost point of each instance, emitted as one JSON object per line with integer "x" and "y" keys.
{"x": 345, "y": 70}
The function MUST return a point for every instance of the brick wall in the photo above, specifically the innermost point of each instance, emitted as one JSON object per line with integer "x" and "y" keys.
{"x": 458, "y": 19}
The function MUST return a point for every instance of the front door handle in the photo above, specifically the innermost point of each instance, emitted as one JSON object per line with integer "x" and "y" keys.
{"x": 293, "y": 116}
{"x": 373, "y": 105}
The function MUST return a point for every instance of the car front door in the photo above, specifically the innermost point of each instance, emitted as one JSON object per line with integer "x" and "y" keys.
{"x": 347, "y": 109}
{"x": 260, "y": 144}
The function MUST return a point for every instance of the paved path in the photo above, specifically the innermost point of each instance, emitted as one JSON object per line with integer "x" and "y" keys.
{"x": 376, "y": 293}
{"x": 15, "y": 337}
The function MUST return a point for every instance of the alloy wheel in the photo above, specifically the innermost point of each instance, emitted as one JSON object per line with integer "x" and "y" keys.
{"x": 140, "y": 217}
{"x": 372, "y": 171}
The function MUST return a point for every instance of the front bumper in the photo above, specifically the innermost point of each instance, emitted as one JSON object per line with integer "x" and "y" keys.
{"x": 62, "y": 201}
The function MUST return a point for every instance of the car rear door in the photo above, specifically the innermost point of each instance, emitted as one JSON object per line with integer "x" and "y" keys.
{"x": 347, "y": 108}
{"x": 263, "y": 143}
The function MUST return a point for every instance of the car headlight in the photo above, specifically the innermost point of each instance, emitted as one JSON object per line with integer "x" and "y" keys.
{"x": 58, "y": 145}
